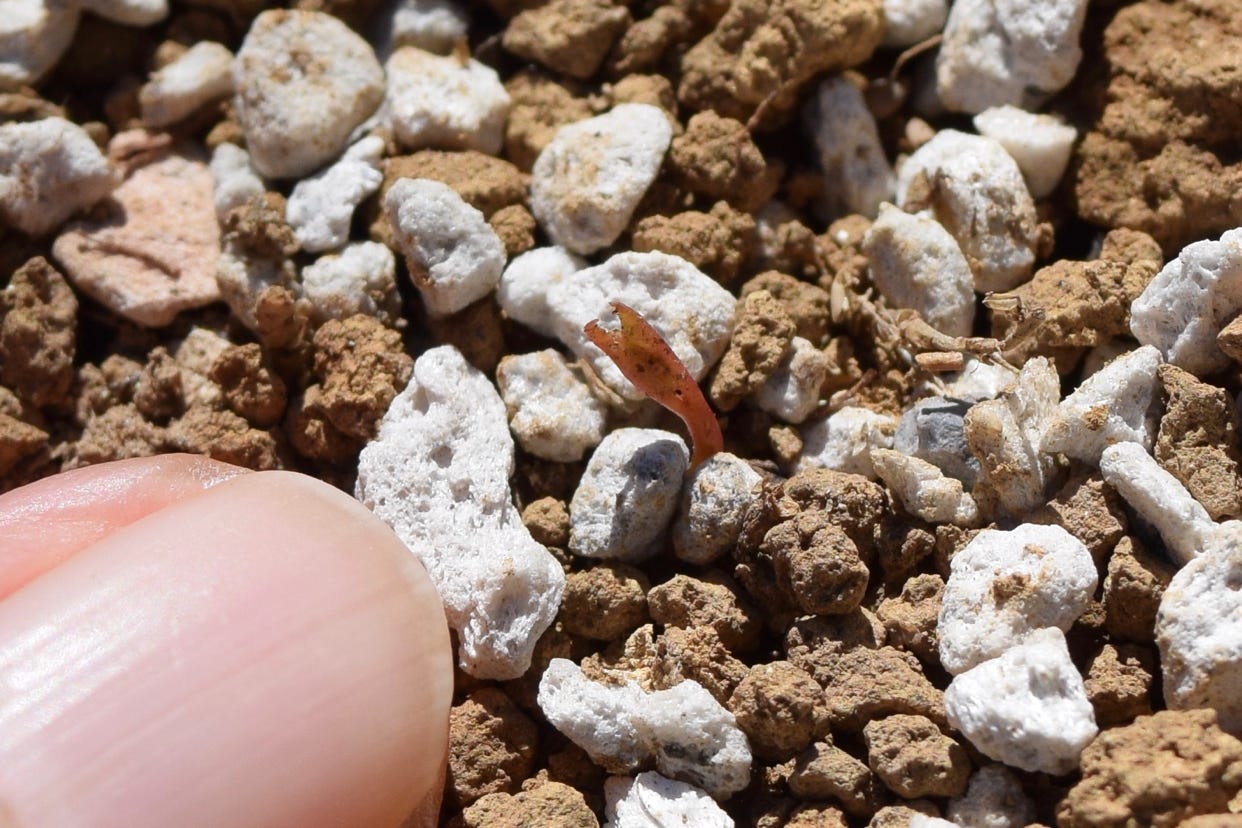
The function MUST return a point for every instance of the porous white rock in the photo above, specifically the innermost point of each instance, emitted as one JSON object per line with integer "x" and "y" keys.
{"x": 918, "y": 820}
{"x": 978, "y": 380}
{"x": 304, "y": 81}
{"x": 1006, "y": 436}
{"x": 1040, "y": 144}
{"x": 691, "y": 311}
{"x": 844, "y": 441}
{"x": 431, "y": 25}
{"x": 1192, "y": 298}
{"x": 49, "y": 170}
{"x": 975, "y": 189}
{"x": 128, "y": 12}
{"x": 552, "y": 411}
{"x": 689, "y": 734}
{"x": 628, "y": 494}
{"x": 1005, "y": 585}
{"x": 453, "y": 255}
{"x": 321, "y": 207}
{"x": 792, "y": 392}
{"x": 1027, "y": 708}
{"x": 994, "y": 799}
{"x": 998, "y": 52}
{"x": 1199, "y": 630}
{"x": 713, "y": 501}
{"x": 1117, "y": 404}
{"x": 438, "y": 474}
{"x": 195, "y": 354}
{"x": 359, "y": 278}
{"x": 236, "y": 181}
{"x": 1159, "y": 497}
{"x": 526, "y": 281}
{"x": 857, "y": 175}
{"x": 440, "y": 101}
{"x": 915, "y": 263}
{"x": 923, "y": 489}
{"x": 587, "y": 181}
{"x": 650, "y": 800}
{"x": 34, "y": 35}
{"x": 906, "y": 22}
{"x": 204, "y": 73}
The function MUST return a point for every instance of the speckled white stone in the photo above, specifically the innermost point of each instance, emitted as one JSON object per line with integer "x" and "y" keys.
{"x": 1188, "y": 303}
{"x": 993, "y": 799}
{"x": 689, "y": 734}
{"x": 1040, "y": 144}
{"x": 49, "y": 170}
{"x": 552, "y": 411}
{"x": 438, "y": 474}
{"x": 321, "y": 207}
{"x": 34, "y": 35}
{"x": 998, "y": 52}
{"x": 525, "y": 283}
{"x": 791, "y": 394}
{"x": 431, "y": 25}
{"x": 453, "y": 254}
{"x": 1027, "y": 708}
{"x": 906, "y": 22}
{"x": 439, "y": 101}
{"x": 844, "y": 441}
{"x": 359, "y": 278}
{"x": 650, "y": 800}
{"x": 923, "y": 489}
{"x": 236, "y": 181}
{"x": 587, "y": 181}
{"x": 204, "y": 73}
{"x": 713, "y": 502}
{"x": 857, "y": 175}
{"x": 1005, "y": 585}
{"x": 978, "y": 380}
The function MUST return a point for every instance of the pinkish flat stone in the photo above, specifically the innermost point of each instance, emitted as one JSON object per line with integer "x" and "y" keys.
{"x": 150, "y": 251}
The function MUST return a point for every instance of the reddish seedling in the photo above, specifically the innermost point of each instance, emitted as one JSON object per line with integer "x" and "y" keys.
{"x": 647, "y": 361}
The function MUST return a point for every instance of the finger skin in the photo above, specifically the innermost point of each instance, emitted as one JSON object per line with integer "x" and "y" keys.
{"x": 264, "y": 654}
{"x": 50, "y": 520}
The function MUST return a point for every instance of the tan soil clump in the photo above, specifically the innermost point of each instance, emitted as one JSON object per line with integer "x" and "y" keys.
{"x": 1133, "y": 587}
{"x": 780, "y": 709}
{"x": 716, "y": 158}
{"x": 547, "y": 520}
{"x": 539, "y": 107}
{"x": 826, "y": 772}
{"x": 486, "y": 183}
{"x": 118, "y": 433}
{"x": 223, "y": 436}
{"x": 540, "y": 802}
{"x": 492, "y": 746}
{"x": 717, "y": 242}
{"x": 568, "y": 36}
{"x": 911, "y": 618}
{"x": 250, "y": 387}
{"x": 606, "y": 602}
{"x": 1198, "y": 442}
{"x": 913, "y": 758}
{"x": 1089, "y": 510}
{"x": 868, "y": 684}
{"x": 806, "y": 304}
{"x": 712, "y": 601}
{"x": 1119, "y": 682}
{"x": 761, "y": 339}
{"x": 38, "y": 324}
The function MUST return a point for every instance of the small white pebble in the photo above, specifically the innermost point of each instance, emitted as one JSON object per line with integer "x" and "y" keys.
{"x": 650, "y": 800}
{"x": 923, "y": 490}
{"x": 978, "y": 380}
{"x": 587, "y": 181}
{"x": 128, "y": 12}
{"x": 321, "y": 207}
{"x": 359, "y": 278}
{"x": 857, "y": 175}
{"x": 998, "y": 52}
{"x": 915, "y": 263}
{"x": 844, "y": 441}
{"x": 439, "y": 101}
{"x": 236, "y": 181}
{"x": 33, "y": 38}
{"x": 993, "y": 799}
{"x": 1192, "y": 298}
{"x": 526, "y": 281}
{"x": 688, "y": 733}
{"x": 791, "y": 394}
{"x": 627, "y": 495}
{"x": 204, "y": 73}
{"x": 1027, "y": 708}
{"x": 453, "y": 254}
{"x": 918, "y": 820}
{"x": 195, "y": 354}
{"x": 49, "y": 170}
{"x": 552, "y": 411}
{"x": 713, "y": 503}
{"x": 906, "y": 22}
{"x": 431, "y": 25}
{"x": 1005, "y": 585}
{"x": 1040, "y": 144}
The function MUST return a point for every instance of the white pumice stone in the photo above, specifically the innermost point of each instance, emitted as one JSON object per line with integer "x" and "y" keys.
{"x": 1188, "y": 303}
{"x": 792, "y": 392}
{"x": 918, "y": 820}
{"x": 359, "y": 278}
{"x": 587, "y": 181}
{"x": 1006, "y": 435}
{"x": 202, "y": 75}
{"x": 128, "y": 12}
{"x": 438, "y": 474}
{"x": 453, "y": 254}
{"x": 236, "y": 181}
{"x": 1027, "y": 708}
{"x": 857, "y": 175}
{"x": 689, "y": 734}
{"x": 440, "y": 101}
{"x": 1116, "y": 404}
{"x": 552, "y": 411}
{"x": 321, "y": 207}
{"x": 977, "y": 192}
{"x": 713, "y": 501}
{"x": 1160, "y": 498}
{"x": 627, "y": 494}
{"x": 1199, "y": 630}
{"x": 906, "y": 22}
{"x": 1005, "y": 585}
{"x": 34, "y": 35}
{"x": 431, "y": 25}
{"x": 49, "y": 170}
{"x": 978, "y": 380}
{"x": 998, "y": 52}
{"x": 691, "y": 311}
{"x": 994, "y": 799}
{"x": 650, "y": 800}
{"x": 923, "y": 489}
{"x": 304, "y": 80}
{"x": 526, "y": 281}
{"x": 844, "y": 441}
{"x": 915, "y": 263}
{"x": 1040, "y": 144}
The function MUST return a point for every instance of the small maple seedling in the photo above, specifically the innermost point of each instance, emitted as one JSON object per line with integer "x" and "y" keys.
{"x": 647, "y": 361}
